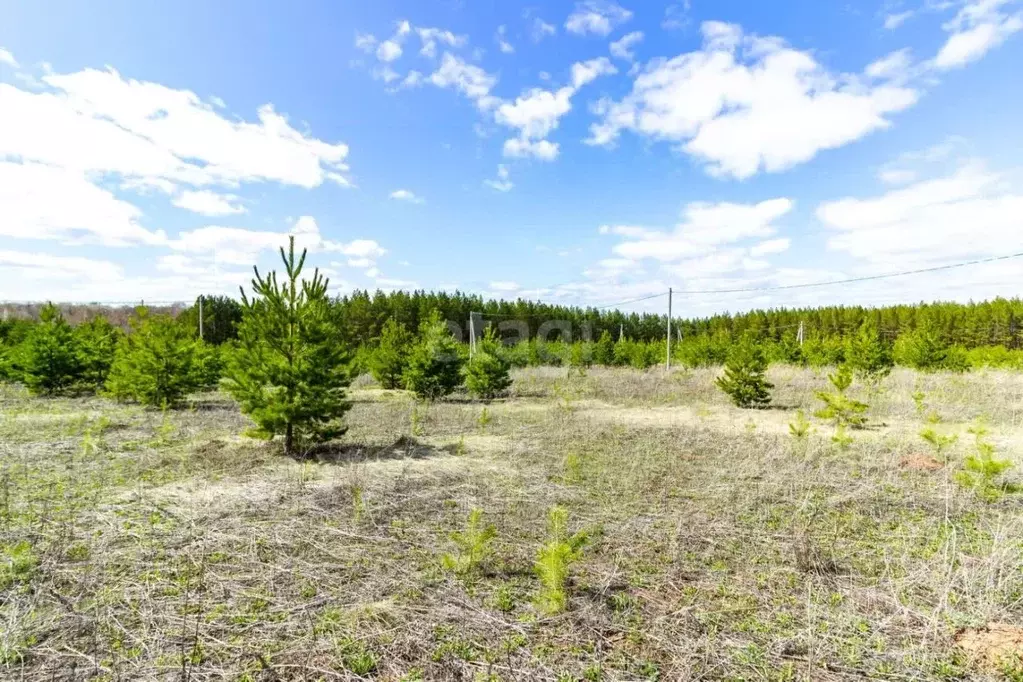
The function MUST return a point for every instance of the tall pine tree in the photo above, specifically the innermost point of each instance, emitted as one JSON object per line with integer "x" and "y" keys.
{"x": 290, "y": 370}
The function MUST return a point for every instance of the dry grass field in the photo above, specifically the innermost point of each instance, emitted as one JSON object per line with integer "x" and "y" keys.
{"x": 142, "y": 545}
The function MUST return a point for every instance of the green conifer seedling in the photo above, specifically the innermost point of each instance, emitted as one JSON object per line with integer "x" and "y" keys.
{"x": 290, "y": 370}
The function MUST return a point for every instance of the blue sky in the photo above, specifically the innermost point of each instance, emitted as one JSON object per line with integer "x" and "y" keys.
{"x": 580, "y": 152}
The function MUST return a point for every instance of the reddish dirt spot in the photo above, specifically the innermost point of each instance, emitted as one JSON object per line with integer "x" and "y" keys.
{"x": 992, "y": 646}
{"x": 919, "y": 462}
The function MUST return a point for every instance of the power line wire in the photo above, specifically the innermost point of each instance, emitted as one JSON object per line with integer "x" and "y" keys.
{"x": 850, "y": 280}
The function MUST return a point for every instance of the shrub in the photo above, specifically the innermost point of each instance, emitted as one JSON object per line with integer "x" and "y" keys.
{"x": 703, "y": 351}
{"x": 208, "y": 364}
{"x": 580, "y": 358}
{"x": 434, "y": 366}
{"x": 744, "y": 380}
{"x": 981, "y": 470}
{"x": 555, "y": 559}
{"x": 486, "y": 374}
{"x": 839, "y": 408}
{"x": 939, "y": 442}
{"x": 389, "y": 359}
{"x": 97, "y": 342}
{"x": 290, "y": 370}
{"x": 48, "y": 360}
{"x": 154, "y": 363}
{"x": 868, "y": 355}
{"x": 474, "y": 545}
{"x": 604, "y": 349}
{"x": 923, "y": 349}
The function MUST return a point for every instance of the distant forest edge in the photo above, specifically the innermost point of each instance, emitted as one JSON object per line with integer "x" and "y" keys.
{"x": 951, "y": 334}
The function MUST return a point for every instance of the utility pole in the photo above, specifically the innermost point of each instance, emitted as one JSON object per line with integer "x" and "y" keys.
{"x": 799, "y": 336}
{"x": 200, "y": 317}
{"x": 667, "y": 363}
{"x": 472, "y": 335}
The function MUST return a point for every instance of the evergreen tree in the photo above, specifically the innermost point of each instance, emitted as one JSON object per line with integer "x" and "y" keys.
{"x": 208, "y": 364}
{"x": 604, "y": 350}
{"x": 290, "y": 370}
{"x": 389, "y": 359}
{"x": 486, "y": 374}
{"x": 154, "y": 363}
{"x": 48, "y": 360}
{"x": 744, "y": 379}
{"x": 220, "y": 318}
{"x": 434, "y": 367}
{"x": 97, "y": 342}
{"x": 839, "y": 407}
{"x": 868, "y": 355}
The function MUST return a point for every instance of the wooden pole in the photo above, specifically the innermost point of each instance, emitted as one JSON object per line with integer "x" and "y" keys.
{"x": 667, "y": 363}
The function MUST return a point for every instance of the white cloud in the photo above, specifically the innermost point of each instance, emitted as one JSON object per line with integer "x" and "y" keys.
{"x": 536, "y": 113}
{"x": 502, "y": 40}
{"x": 469, "y": 79}
{"x": 239, "y": 246}
{"x": 979, "y": 26}
{"x": 972, "y": 212}
{"x": 766, "y": 107}
{"x": 598, "y": 17}
{"x": 676, "y": 16}
{"x": 894, "y": 66}
{"x": 388, "y": 51}
{"x": 896, "y": 19}
{"x": 19, "y": 266}
{"x": 365, "y": 42}
{"x": 98, "y": 122}
{"x": 541, "y": 29}
{"x": 7, "y": 58}
{"x": 771, "y": 246}
{"x": 704, "y": 228}
{"x": 362, "y": 248}
{"x": 543, "y": 150}
{"x": 431, "y": 36}
{"x": 503, "y": 182}
{"x": 406, "y": 195}
{"x": 896, "y": 176}
{"x": 48, "y": 202}
{"x": 504, "y": 286}
{"x": 588, "y": 71}
{"x": 208, "y": 203}
{"x": 623, "y": 48}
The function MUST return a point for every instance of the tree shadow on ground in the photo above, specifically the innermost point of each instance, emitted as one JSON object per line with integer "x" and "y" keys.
{"x": 344, "y": 453}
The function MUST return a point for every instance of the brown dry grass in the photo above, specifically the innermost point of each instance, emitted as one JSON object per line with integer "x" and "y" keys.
{"x": 167, "y": 547}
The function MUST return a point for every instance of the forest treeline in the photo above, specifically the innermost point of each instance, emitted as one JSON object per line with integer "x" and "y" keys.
{"x": 990, "y": 331}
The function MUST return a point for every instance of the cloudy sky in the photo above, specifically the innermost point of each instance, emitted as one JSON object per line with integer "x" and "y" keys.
{"x": 581, "y": 152}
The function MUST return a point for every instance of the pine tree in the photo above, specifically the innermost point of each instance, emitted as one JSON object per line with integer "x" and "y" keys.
{"x": 922, "y": 349}
{"x": 604, "y": 350}
{"x": 839, "y": 407}
{"x": 154, "y": 362}
{"x": 486, "y": 374}
{"x": 744, "y": 379}
{"x": 97, "y": 342}
{"x": 434, "y": 367}
{"x": 48, "y": 360}
{"x": 208, "y": 364}
{"x": 868, "y": 355}
{"x": 290, "y": 370}
{"x": 390, "y": 357}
